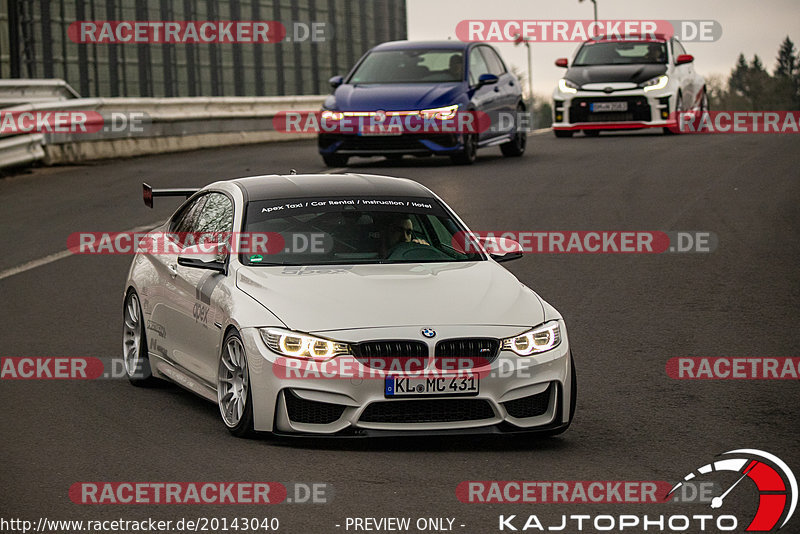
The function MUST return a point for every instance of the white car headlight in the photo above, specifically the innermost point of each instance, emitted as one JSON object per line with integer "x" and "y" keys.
{"x": 659, "y": 82}
{"x": 297, "y": 345}
{"x": 540, "y": 339}
{"x": 566, "y": 86}
{"x": 440, "y": 113}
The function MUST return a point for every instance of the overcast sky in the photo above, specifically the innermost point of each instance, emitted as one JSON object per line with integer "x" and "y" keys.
{"x": 752, "y": 27}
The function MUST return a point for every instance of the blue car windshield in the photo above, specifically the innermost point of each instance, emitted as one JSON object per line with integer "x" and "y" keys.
{"x": 410, "y": 66}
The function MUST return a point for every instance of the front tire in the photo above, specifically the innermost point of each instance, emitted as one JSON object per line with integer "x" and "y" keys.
{"x": 516, "y": 147}
{"x": 233, "y": 388}
{"x": 134, "y": 343}
{"x": 678, "y": 110}
{"x": 705, "y": 106}
{"x": 469, "y": 153}
{"x": 563, "y": 133}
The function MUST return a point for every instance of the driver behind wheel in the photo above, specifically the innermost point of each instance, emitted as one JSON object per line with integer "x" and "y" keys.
{"x": 400, "y": 229}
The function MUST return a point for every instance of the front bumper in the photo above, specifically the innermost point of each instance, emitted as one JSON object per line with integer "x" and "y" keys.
{"x": 516, "y": 394}
{"x": 379, "y": 145}
{"x": 573, "y": 111}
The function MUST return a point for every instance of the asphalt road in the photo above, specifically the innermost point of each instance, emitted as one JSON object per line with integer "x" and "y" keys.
{"x": 626, "y": 314}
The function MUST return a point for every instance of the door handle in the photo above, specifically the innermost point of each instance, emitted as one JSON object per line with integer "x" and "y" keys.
{"x": 173, "y": 270}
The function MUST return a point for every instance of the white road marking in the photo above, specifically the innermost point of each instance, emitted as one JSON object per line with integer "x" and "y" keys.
{"x": 58, "y": 256}
{"x": 35, "y": 263}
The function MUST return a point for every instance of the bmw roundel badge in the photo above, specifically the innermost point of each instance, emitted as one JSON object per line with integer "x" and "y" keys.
{"x": 428, "y": 332}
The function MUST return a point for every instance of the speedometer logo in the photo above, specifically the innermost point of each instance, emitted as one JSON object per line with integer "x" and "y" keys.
{"x": 777, "y": 486}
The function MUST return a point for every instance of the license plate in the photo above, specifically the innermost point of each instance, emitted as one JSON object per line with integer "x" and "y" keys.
{"x": 431, "y": 386}
{"x": 380, "y": 129}
{"x": 609, "y": 106}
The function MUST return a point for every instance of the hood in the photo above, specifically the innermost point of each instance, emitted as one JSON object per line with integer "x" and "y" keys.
{"x": 615, "y": 73}
{"x": 312, "y": 299}
{"x": 395, "y": 96}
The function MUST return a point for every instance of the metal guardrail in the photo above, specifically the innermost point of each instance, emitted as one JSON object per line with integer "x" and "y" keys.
{"x": 21, "y": 149}
{"x": 20, "y": 91}
{"x": 169, "y": 125}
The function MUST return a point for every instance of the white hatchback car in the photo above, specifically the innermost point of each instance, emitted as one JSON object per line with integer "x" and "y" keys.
{"x": 360, "y": 316}
{"x": 628, "y": 83}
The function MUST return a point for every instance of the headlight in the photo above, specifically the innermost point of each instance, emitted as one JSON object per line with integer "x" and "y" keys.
{"x": 540, "y": 339}
{"x": 440, "y": 113}
{"x": 297, "y": 345}
{"x": 332, "y": 115}
{"x": 659, "y": 82}
{"x": 566, "y": 86}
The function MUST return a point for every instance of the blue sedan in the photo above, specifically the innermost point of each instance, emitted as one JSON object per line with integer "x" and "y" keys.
{"x": 427, "y": 80}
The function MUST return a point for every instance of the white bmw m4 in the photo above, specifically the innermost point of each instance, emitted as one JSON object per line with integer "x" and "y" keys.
{"x": 342, "y": 305}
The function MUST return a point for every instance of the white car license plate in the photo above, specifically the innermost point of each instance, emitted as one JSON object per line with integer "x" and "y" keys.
{"x": 431, "y": 386}
{"x": 609, "y": 106}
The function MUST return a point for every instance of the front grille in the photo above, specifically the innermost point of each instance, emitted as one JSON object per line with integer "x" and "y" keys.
{"x": 616, "y": 116}
{"x": 392, "y": 355}
{"x": 466, "y": 353}
{"x": 638, "y": 110}
{"x": 529, "y": 406}
{"x": 312, "y": 412}
{"x": 377, "y": 143}
{"x": 427, "y": 411}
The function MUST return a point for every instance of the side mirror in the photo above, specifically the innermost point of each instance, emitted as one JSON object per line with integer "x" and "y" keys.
{"x": 684, "y": 58}
{"x": 501, "y": 249}
{"x": 487, "y": 79}
{"x": 562, "y": 62}
{"x": 204, "y": 256}
{"x": 336, "y": 81}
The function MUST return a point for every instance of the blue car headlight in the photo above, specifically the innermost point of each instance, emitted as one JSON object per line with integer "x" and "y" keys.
{"x": 444, "y": 113}
{"x": 332, "y": 115}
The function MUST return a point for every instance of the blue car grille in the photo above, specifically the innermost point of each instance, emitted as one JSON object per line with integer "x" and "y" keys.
{"x": 377, "y": 143}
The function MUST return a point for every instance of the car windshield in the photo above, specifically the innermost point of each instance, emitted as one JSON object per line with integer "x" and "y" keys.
{"x": 620, "y": 53}
{"x": 353, "y": 230}
{"x": 410, "y": 66}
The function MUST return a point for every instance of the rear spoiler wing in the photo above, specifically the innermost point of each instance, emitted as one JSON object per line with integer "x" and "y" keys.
{"x": 148, "y": 193}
